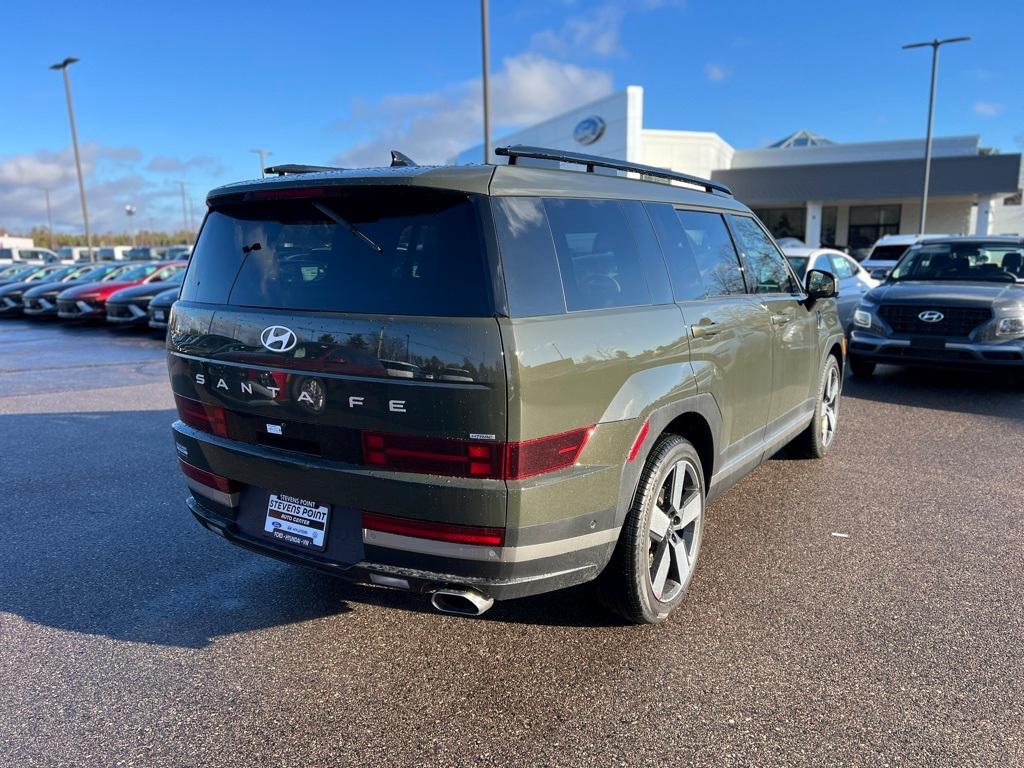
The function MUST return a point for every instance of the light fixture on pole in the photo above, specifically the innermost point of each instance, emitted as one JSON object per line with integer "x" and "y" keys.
{"x": 934, "y": 45}
{"x": 485, "y": 35}
{"x": 63, "y": 68}
{"x": 263, "y": 153}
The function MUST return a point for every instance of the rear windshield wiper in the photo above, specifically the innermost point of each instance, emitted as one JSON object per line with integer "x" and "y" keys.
{"x": 348, "y": 225}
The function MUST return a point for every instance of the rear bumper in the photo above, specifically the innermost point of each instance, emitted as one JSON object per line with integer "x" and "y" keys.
{"x": 422, "y": 573}
{"x": 535, "y": 559}
{"x": 878, "y": 349}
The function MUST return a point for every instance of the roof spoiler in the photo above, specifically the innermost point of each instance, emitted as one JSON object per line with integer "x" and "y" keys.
{"x": 292, "y": 169}
{"x": 513, "y": 153}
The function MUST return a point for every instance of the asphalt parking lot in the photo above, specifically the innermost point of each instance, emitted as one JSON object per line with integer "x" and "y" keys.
{"x": 130, "y": 636}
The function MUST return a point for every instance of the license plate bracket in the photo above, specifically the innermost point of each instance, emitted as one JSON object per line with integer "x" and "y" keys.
{"x": 299, "y": 523}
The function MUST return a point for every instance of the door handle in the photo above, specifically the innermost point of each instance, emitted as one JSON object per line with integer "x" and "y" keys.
{"x": 704, "y": 330}
{"x": 780, "y": 319}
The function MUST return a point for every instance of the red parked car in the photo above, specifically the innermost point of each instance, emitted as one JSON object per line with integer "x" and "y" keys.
{"x": 89, "y": 301}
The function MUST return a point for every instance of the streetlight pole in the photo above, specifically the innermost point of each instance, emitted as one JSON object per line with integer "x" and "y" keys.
{"x": 486, "y": 45}
{"x": 130, "y": 211}
{"x": 935, "y": 45}
{"x": 184, "y": 209}
{"x": 63, "y": 67}
{"x": 49, "y": 217}
{"x": 263, "y": 153}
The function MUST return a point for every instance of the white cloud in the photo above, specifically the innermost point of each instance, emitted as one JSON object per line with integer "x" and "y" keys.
{"x": 988, "y": 108}
{"x": 716, "y": 73}
{"x": 596, "y": 32}
{"x": 111, "y": 180}
{"x": 432, "y": 127}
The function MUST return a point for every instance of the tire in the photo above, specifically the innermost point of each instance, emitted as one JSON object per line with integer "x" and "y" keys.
{"x": 657, "y": 551}
{"x": 814, "y": 442}
{"x": 862, "y": 368}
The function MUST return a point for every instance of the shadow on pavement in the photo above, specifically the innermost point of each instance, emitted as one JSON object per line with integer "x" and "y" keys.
{"x": 984, "y": 392}
{"x": 97, "y": 539}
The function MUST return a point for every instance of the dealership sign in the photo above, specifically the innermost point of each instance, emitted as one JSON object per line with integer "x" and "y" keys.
{"x": 589, "y": 130}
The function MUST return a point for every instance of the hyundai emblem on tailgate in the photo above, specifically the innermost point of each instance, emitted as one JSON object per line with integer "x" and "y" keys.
{"x": 277, "y": 338}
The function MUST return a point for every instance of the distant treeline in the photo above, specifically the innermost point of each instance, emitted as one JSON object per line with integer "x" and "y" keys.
{"x": 41, "y": 237}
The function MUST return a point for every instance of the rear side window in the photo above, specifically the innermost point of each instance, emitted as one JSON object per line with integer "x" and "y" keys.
{"x": 841, "y": 266}
{"x": 766, "y": 264}
{"x": 597, "y": 255}
{"x": 708, "y": 239}
{"x": 373, "y": 251}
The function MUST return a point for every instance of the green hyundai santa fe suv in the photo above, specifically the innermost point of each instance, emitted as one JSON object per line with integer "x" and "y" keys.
{"x": 484, "y": 382}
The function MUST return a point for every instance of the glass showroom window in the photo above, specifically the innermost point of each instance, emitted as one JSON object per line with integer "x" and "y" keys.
{"x": 870, "y": 222}
{"x": 783, "y": 222}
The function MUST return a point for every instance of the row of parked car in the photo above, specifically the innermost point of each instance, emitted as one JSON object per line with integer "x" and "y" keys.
{"x": 75, "y": 254}
{"x": 124, "y": 292}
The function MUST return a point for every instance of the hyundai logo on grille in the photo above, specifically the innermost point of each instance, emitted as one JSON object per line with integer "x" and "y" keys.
{"x": 277, "y": 338}
{"x": 931, "y": 316}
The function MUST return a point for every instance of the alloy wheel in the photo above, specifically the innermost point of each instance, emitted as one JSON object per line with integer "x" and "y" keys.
{"x": 830, "y": 406}
{"x": 674, "y": 531}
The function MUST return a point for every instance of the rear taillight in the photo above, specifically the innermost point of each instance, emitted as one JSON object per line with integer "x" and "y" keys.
{"x": 468, "y": 458}
{"x": 432, "y": 455}
{"x": 545, "y": 454}
{"x": 202, "y": 416}
{"x": 424, "y": 529}
{"x": 207, "y": 478}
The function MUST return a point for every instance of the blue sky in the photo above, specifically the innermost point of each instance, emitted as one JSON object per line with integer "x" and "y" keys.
{"x": 183, "y": 91}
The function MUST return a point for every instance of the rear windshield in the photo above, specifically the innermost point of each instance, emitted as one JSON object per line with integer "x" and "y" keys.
{"x": 887, "y": 252}
{"x": 375, "y": 251}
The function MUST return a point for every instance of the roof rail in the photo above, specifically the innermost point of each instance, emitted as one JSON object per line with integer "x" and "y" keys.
{"x": 290, "y": 169}
{"x": 513, "y": 153}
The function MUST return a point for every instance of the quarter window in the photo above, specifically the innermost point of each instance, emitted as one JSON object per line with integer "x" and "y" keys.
{"x": 766, "y": 266}
{"x": 707, "y": 238}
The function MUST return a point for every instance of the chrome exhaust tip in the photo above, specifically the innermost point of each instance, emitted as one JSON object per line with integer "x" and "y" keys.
{"x": 465, "y": 602}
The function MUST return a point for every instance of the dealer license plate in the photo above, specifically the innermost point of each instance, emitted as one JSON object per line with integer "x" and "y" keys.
{"x": 299, "y": 522}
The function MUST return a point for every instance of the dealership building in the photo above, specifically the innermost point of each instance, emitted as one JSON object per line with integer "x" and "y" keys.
{"x": 805, "y": 185}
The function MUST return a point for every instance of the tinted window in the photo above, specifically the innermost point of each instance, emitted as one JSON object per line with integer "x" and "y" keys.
{"x": 650, "y": 252}
{"x": 682, "y": 265}
{"x": 767, "y": 267}
{"x": 841, "y": 266}
{"x": 988, "y": 261}
{"x": 597, "y": 255}
{"x": 412, "y": 252}
{"x": 708, "y": 238}
{"x": 888, "y": 252}
{"x": 527, "y": 257}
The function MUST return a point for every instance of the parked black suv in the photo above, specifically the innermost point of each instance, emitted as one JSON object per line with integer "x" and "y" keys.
{"x": 483, "y": 382}
{"x": 951, "y": 302}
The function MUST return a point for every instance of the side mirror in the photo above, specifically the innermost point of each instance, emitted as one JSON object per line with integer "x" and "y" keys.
{"x": 820, "y": 284}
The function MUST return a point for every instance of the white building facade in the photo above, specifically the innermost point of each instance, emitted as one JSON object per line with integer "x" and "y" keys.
{"x": 806, "y": 186}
